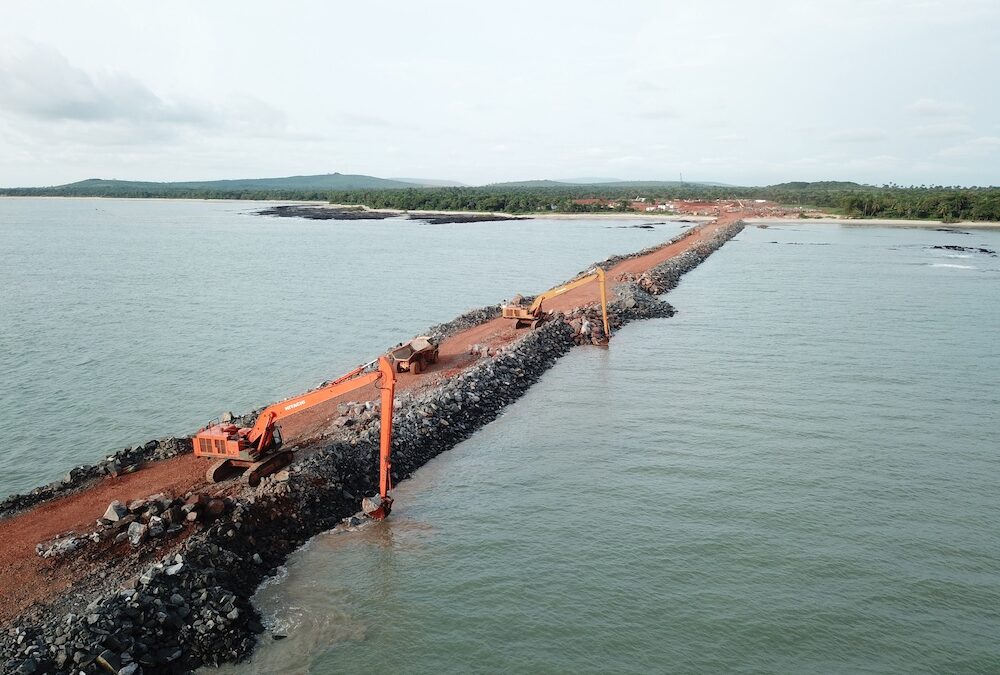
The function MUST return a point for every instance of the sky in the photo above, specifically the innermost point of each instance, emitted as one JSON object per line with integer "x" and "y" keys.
{"x": 874, "y": 91}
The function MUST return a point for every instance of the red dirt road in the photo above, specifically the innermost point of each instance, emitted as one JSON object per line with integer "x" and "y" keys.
{"x": 26, "y": 578}
{"x": 454, "y": 351}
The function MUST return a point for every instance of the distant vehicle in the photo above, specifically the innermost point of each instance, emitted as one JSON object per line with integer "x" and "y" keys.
{"x": 415, "y": 355}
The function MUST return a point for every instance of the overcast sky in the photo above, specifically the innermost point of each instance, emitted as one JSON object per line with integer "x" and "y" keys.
{"x": 733, "y": 91}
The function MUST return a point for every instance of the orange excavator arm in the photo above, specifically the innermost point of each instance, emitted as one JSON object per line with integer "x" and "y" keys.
{"x": 262, "y": 432}
{"x": 388, "y": 392}
{"x": 598, "y": 275}
{"x": 263, "y": 429}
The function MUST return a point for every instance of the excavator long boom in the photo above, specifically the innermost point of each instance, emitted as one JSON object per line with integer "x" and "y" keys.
{"x": 388, "y": 392}
{"x": 261, "y": 434}
{"x": 597, "y": 275}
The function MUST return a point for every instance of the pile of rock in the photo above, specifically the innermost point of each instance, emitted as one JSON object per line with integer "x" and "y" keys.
{"x": 191, "y": 608}
{"x": 482, "y": 351}
{"x": 633, "y": 303}
{"x": 177, "y": 616}
{"x": 62, "y": 545}
{"x": 587, "y": 325}
{"x": 154, "y": 517}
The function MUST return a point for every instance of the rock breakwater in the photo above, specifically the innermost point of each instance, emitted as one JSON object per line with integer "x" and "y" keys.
{"x": 192, "y": 606}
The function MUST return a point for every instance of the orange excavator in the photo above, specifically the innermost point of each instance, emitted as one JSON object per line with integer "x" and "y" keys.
{"x": 533, "y": 315}
{"x": 257, "y": 450}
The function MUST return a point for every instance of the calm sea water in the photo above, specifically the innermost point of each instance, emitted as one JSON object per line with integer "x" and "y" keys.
{"x": 122, "y": 321}
{"x": 797, "y": 473}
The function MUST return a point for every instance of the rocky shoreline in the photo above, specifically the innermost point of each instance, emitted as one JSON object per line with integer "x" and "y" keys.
{"x": 192, "y": 606}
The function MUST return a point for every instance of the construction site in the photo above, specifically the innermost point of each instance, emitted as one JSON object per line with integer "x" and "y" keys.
{"x": 146, "y": 562}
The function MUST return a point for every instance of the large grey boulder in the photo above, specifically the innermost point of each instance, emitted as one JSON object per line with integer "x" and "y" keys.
{"x": 116, "y": 511}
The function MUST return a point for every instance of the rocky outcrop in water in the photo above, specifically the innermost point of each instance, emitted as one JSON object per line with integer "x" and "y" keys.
{"x": 360, "y": 213}
{"x": 324, "y": 213}
{"x": 967, "y": 249}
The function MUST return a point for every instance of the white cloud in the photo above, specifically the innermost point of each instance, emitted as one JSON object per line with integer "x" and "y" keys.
{"x": 861, "y": 135}
{"x": 658, "y": 114}
{"x": 48, "y": 97}
{"x": 977, "y": 148}
{"x": 929, "y": 107}
{"x": 943, "y": 130}
{"x": 40, "y": 83}
{"x": 363, "y": 120}
{"x": 875, "y": 162}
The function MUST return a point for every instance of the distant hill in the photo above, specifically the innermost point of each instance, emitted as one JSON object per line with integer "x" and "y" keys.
{"x": 612, "y": 184}
{"x": 818, "y": 185}
{"x": 589, "y": 181}
{"x": 528, "y": 184}
{"x": 329, "y": 181}
{"x": 314, "y": 186}
{"x": 430, "y": 182}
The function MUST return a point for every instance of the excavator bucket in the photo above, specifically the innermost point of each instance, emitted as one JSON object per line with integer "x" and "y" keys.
{"x": 376, "y": 507}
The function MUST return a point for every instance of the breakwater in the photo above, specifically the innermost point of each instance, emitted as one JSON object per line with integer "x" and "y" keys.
{"x": 193, "y": 607}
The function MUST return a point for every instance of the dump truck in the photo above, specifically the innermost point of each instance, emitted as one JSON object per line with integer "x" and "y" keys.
{"x": 415, "y": 355}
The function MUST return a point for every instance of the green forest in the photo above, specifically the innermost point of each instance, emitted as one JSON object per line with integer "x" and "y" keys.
{"x": 849, "y": 199}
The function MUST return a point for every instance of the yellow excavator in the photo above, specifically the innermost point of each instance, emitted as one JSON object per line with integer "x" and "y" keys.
{"x": 532, "y": 315}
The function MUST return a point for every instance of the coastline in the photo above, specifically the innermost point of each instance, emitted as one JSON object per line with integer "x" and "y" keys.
{"x": 617, "y": 215}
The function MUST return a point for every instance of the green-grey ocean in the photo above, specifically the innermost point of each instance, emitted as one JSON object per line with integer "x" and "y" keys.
{"x": 799, "y": 472}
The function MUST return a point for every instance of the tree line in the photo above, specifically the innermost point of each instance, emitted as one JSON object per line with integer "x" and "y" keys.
{"x": 849, "y": 199}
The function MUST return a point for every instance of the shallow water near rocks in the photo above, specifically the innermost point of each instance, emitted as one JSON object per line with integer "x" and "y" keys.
{"x": 797, "y": 473}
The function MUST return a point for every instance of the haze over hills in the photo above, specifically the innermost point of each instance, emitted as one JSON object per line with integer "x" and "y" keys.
{"x": 430, "y": 182}
{"x": 610, "y": 182}
{"x": 328, "y": 182}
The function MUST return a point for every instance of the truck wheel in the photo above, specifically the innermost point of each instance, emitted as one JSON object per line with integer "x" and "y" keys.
{"x": 415, "y": 367}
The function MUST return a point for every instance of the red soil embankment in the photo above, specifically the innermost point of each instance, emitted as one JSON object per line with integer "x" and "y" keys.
{"x": 26, "y": 578}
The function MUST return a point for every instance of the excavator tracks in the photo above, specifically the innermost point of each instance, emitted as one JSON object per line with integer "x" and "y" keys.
{"x": 225, "y": 469}
{"x": 222, "y": 470}
{"x": 266, "y": 467}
